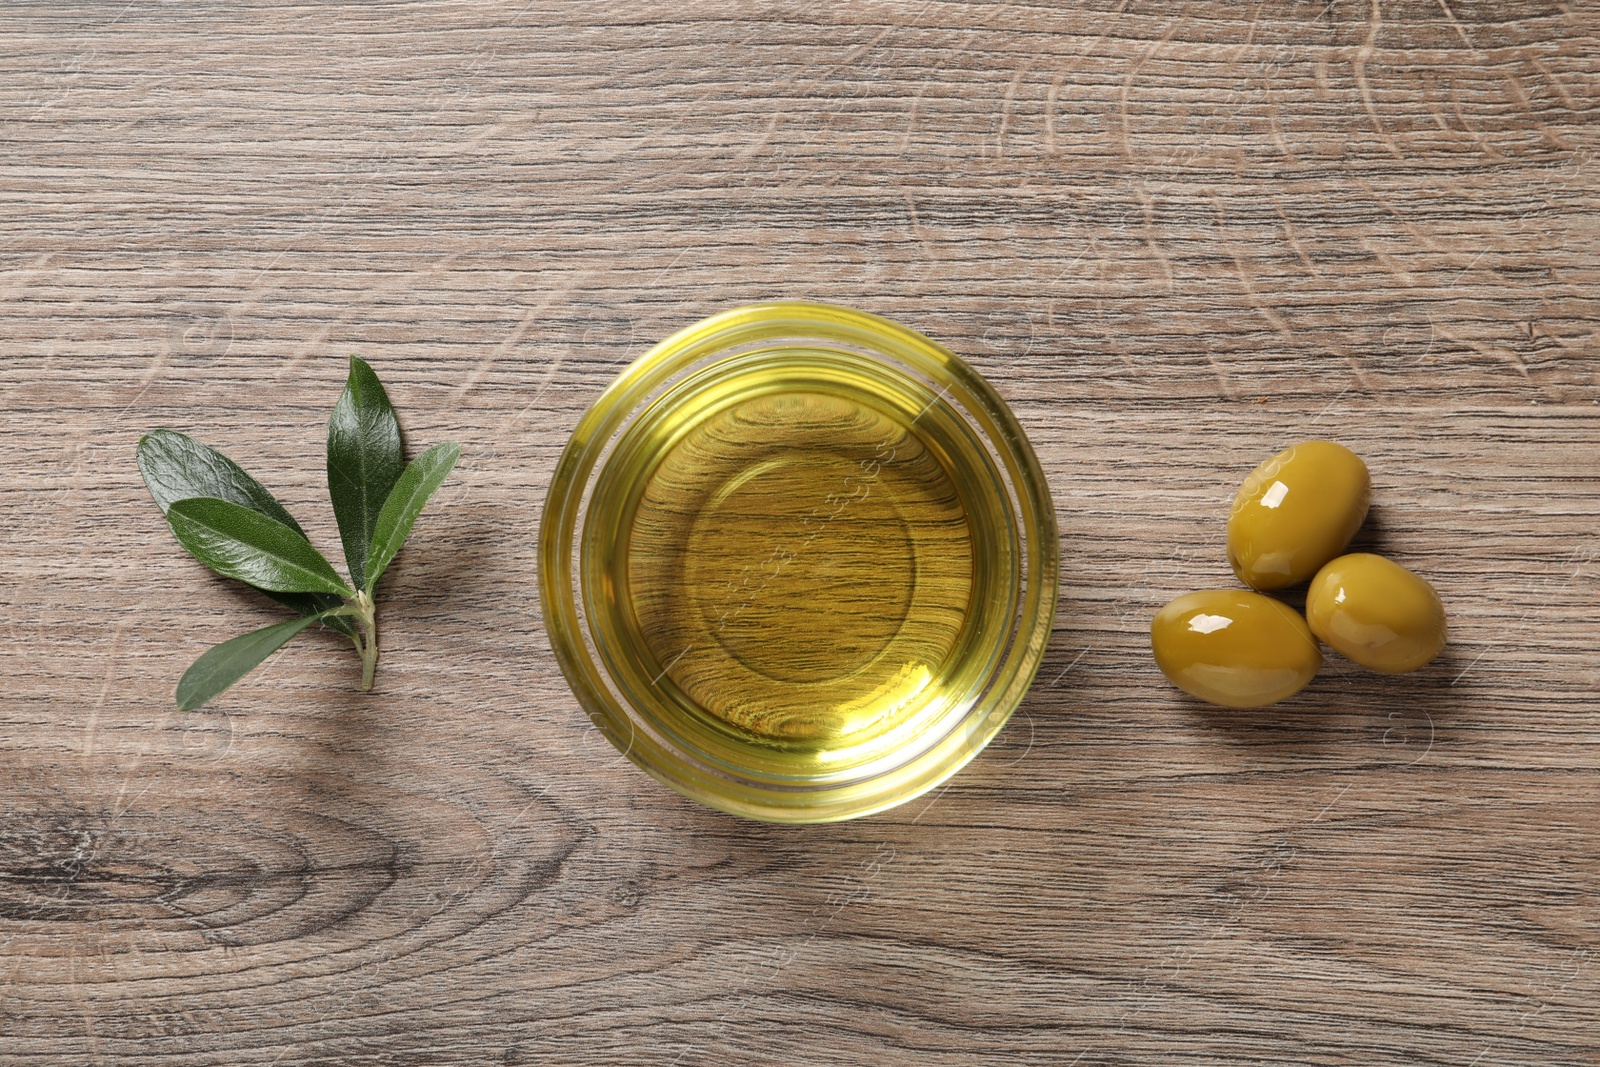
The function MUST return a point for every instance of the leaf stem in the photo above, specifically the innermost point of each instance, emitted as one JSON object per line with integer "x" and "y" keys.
{"x": 365, "y": 612}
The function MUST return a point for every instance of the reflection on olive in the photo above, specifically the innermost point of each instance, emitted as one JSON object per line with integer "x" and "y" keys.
{"x": 1234, "y": 648}
{"x": 1377, "y": 613}
{"x": 1295, "y": 512}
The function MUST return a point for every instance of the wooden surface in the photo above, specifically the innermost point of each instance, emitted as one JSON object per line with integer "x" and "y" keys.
{"x": 1177, "y": 236}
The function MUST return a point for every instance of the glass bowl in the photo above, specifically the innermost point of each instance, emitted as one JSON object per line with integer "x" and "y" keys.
{"x": 799, "y": 562}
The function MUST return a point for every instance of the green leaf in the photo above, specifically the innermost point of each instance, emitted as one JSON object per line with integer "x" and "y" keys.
{"x": 219, "y": 667}
{"x": 364, "y": 462}
{"x": 419, "y": 482}
{"x": 240, "y": 543}
{"x": 177, "y": 467}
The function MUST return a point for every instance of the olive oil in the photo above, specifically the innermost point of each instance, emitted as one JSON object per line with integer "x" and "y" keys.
{"x": 799, "y": 562}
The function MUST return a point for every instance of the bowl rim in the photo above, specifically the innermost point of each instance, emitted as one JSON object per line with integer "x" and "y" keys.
{"x": 897, "y": 347}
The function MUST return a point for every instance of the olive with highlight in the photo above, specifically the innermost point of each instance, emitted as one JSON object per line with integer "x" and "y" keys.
{"x": 1234, "y": 648}
{"x": 1377, "y": 613}
{"x": 1295, "y": 512}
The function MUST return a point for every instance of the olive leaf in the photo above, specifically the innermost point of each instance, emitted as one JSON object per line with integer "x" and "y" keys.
{"x": 364, "y": 462}
{"x": 240, "y": 543}
{"x": 177, "y": 467}
{"x": 420, "y": 480}
{"x": 221, "y": 666}
{"x": 228, "y": 521}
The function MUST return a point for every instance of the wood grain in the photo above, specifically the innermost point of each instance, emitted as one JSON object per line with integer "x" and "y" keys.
{"x": 1176, "y": 236}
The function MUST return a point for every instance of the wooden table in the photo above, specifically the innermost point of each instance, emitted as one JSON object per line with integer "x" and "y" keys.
{"x": 1175, "y": 236}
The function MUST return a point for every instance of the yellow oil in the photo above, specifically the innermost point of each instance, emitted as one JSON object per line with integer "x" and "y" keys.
{"x": 801, "y": 566}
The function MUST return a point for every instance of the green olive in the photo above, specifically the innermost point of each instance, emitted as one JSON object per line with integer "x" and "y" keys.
{"x": 1234, "y": 648}
{"x": 1377, "y": 613}
{"x": 1295, "y": 512}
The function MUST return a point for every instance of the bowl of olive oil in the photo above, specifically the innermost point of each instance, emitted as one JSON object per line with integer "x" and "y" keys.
{"x": 799, "y": 562}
